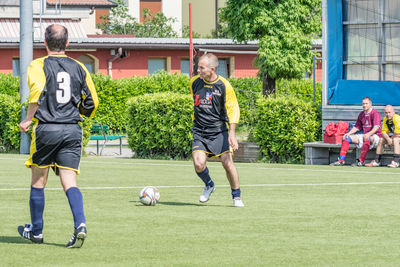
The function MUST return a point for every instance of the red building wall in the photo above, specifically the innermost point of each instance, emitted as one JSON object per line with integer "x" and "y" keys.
{"x": 136, "y": 63}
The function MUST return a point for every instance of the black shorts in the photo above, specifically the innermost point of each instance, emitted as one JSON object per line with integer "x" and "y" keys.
{"x": 212, "y": 145}
{"x": 56, "y": 146}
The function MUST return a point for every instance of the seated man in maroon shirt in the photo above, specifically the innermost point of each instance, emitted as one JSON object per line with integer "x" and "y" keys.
{"x": 369, "y": 121}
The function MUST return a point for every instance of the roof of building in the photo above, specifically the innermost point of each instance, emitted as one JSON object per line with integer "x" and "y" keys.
{"x": 9, "y": 37}
{"x": 82, "y": 3}
{"x": 9, "y": 28}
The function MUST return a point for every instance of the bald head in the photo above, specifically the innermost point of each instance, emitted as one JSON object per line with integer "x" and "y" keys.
{"x": 56, "y": 37}
{"x": 212, "y": 60}
{"x": 389, "y": 112}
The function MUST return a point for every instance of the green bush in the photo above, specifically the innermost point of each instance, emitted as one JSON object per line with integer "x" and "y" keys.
{"x": 10, "y": 115}
{"x": 113, "y": 94}
{"x": 160, "y": 125}
{"x": 283, "y": 125}
{"x": 9, "y": 85}
{"x": 247, "y": 90}
{"x": 300, "y": 88}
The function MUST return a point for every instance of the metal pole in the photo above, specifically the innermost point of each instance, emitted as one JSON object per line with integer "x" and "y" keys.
{"x": 313, "y": 75}
{"x": 190, "y": 41}
{"x": 25, "y": 56}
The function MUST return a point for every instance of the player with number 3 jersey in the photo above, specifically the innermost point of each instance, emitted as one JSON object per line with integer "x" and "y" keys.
{"x": 61, "y": 92}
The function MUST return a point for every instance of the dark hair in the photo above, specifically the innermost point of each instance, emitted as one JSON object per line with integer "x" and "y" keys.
{"x": 367, "y": 99}
{"x": 56, "y": 37}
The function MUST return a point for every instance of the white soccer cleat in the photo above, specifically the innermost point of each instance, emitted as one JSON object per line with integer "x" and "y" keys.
{"x": 393, "y": 164}
{"x": 373, "y": 164}
{"x": 237, "y": 202}
{"x": 205, "y": 196}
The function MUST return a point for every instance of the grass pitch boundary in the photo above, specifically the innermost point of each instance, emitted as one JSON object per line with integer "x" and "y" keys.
{"x": 343, "y": 169}
{"x": 199, "y": 186}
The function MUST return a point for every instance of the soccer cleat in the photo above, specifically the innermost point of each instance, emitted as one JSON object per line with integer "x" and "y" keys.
{"x": 237, "y": 202}
{"x": 358, "y": 163}
{"x": 205, "y": 196}
{"x": 373, "y": 163}
{"x": 337, "y": 163}
{"x": 393, "y": 164}
{"x": 78, "y": 237}
{"x": 26, "y": 232}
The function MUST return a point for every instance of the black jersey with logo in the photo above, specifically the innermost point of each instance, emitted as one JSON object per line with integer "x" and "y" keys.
{"x": 215, "y": 105}
{"x": 63, "y": 89}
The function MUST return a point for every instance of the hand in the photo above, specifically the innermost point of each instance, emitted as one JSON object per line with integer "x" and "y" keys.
{"x": 24, "y": 125}
{"x": 366, "y": 137}
{"x": 344, "y": 136}
{"x": 233, "y": 142}
{"x": 389, "y": 141}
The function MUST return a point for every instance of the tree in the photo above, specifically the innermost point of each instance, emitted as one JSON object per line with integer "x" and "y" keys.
{"x": 284, "y": 29}
{"x": 120, "y": 22}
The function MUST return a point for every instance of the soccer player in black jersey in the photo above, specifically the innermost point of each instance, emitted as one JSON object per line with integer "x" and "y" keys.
{"x": 61, "y": 91}
{"x": 216, "y": 113}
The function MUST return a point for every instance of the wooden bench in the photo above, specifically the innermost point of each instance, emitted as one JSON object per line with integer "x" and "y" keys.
{"x": 320, "y": 153}
{"x": 103, "y": 129}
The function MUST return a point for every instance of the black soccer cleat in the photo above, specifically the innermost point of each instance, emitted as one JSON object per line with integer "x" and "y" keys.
{"x": 78, "y": 237}
{"x": 26, "y": 232}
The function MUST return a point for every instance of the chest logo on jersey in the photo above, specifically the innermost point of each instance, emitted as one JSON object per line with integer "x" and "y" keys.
{"x": 203, "y": 102}
{"x": 216, "y": 92}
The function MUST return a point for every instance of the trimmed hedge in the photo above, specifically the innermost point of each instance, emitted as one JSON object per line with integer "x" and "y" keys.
{"x": 300, "y": 88}
{"x": 10, "y": 115}
{"x": 160, "y": 125}
{"x": 113, "y": 95}
{"x": 9, "y": 85}
{"x": 283, "y": 125}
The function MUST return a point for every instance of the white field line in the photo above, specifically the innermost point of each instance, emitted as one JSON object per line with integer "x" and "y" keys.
{"x": 330, "y": 170}
{"x": 197, "y": 186}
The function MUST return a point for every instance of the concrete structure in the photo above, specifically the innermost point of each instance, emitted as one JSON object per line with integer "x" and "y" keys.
{"x": 360, "y": 57}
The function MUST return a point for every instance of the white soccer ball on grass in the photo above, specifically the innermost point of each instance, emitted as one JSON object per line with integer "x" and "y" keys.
{"x": 149, "y": 196}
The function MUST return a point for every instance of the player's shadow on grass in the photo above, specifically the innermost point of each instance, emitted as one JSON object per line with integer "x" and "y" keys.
{"x": 20, "y": 240}
{"x": 169, "y": 203}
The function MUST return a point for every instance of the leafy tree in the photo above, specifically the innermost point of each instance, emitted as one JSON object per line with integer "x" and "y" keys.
{"x": 284, "y": 28}
{"x": 186, "y": 32}
{"x": 120, "y": 22}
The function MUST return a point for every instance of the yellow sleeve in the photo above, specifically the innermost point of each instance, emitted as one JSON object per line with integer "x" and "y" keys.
{"x": 396, "y": 122}
{"x": 191, "y": 83}
{"x": 36, "y": 79}
{"x": 90, "y": 100}
{"x": 231, "y": 103}
{"x": 385, "y": 128}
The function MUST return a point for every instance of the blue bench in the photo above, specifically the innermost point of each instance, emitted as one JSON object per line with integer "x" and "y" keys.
{"x": 100, "y": 134}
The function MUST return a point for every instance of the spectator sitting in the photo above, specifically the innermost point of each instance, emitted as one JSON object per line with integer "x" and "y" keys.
{"x": 390, "y": 136}
{"x": 369, "y": 121}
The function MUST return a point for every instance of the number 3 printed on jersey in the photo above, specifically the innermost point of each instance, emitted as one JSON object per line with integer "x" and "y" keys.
{"x": 64, "y": 87}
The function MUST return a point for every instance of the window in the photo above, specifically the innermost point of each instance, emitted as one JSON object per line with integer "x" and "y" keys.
{"x": 15, "y": 66}
{"x": 371, "y": 38}
{"x": 223, "y": 67}
{"x": 185, "y": 66}
{"x": 90, "y": 62}
{"x": 156, "y": 64}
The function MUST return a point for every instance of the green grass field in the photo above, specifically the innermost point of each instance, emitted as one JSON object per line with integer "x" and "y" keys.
{"x": 295, "y": 215}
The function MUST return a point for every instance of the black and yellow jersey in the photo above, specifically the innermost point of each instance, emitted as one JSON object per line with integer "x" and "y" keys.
{"x": 215, "y": 105}
{"x": 391, "y": 126}
{"x": 63, "y": 89}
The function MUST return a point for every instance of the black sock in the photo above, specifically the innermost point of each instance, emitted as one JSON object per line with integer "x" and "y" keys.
{"x": 378, "y": 158}
{"x": 204, "y": 175}
{"x": 396, "y": 157}
{"x": 235, "y": 192}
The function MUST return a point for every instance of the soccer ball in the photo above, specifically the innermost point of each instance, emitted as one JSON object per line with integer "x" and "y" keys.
{"x": 149, "y": 196}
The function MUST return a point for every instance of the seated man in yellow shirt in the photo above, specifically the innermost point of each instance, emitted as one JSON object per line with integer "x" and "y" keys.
{"x": 390, "y": 136}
